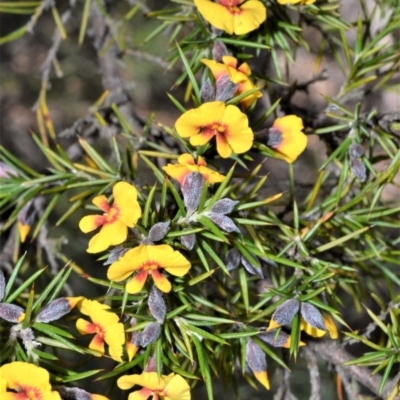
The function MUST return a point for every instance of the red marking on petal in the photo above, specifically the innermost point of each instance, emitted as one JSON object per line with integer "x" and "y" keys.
{"x": 150, "y": 265}
{"x": 230, "y": 3}
{"x": 112, "y": 216}
{"x": 97, "y": 340}
{"x": 103, "y": 205}
{"x": 28, "y": 392}
{"x": 100, "y": 220}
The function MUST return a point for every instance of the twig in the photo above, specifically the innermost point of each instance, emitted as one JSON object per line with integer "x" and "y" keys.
{"x": 52, "y": 53}
{"x": 334, "y": 353}
{"x": 148, "y": 57}
{"x": 312, "y": 366}
{"x": 351, "y": 388}
{"x": 284, "y": 392}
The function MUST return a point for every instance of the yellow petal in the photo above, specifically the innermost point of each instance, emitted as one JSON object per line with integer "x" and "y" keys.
{"x": 23, "y": 231}
{"x": 216, "y": 68}
{"x": 110, "y": 235}
{"x": 85, "y": 327}
{"x": 125, "y": 197}
{"x": 171, "y": 260}
{"x": 223, "y": 147}
{"x": 161, "y": 282}
{"x": 91, "y": 222}
{"x": 176, "y": 171}
{"x": 310, "y": 330}
{"x": 131, "y": 349}
{"x": 210, "y": 175}
{"x": 201, "y": 139}
{"x": 101, "y": 202}
{"x": 252, "y": 16}
{"x": 98, "y": 397}
{"x": 136, "y": 284}
{"x": 97, "y": 344}
{"x": 19, "y": 374}
{"x": 187, "y": 158}
{"x": 294, "y": 141}
{"x": 192, "y": 121}
{"x": 148, "y": 380}
{"x": 216, "y": 14}
{"x": 177, "y": 389}
{"x": 130, "y": 262}
{"x": 262, "y": 377}
{"x": 273, "y": 325}
{"x": 330, "y": 325}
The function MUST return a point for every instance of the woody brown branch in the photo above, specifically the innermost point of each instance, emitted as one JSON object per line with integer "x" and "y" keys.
{"x": 332, "y": 351}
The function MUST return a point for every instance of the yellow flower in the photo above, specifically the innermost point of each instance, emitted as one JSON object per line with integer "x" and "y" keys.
{"x": 227, "y": 123}
{"x": 27, "y": 382}
{"x": 328, "y": 322}
{"x": 233, "y": 16}
{"x": 296, "y": 1}
{"x": 145, "y": 260}
{"x": 286, "y": 137}
{"x": 105, "y": 325}
{"x": 239, "y": 75}
{"x": 166, "y": 387}
{"x": 186, "y": 165}
{"x": 116, "y": 219}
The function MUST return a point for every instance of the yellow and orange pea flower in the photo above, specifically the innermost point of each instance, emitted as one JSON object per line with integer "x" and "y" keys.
{"x": 147, "y": 260}
{"x": 292, "y": 141}
{"x": 296, "y": 1}
{"x": 26, "y": 381}
{"x": 239, "y": 75}
{"x": 117, "y": 218}
{"x": 187, "y": 165}
{"x": 227, "y": 124}
{"x": 106, "y": 327}
{"x": 167, "y": 387}
{"x": 314, "y": 332}
{"x": 233, "y": 16}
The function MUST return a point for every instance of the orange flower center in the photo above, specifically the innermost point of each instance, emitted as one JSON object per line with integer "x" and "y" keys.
{"x": 215, "y": 128}
{"x": 29, "y": 393}
{"x": 150, "y": 266}
{"x": 100, "y": 330}
{"x": 112, "y": 215}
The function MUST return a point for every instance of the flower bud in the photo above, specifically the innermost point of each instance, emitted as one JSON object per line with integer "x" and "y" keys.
{"x": 219, "y": 50}
{"x": 56, "y": 309}
{"x": 312, "y": 316}
{"x": 157, "y": 306}
{"x": 359, "y": 169}
{"x": 225, "y": 88}
{"x": 232, "y": 259}
{"x": 191, "y": 190}
{"x": 188, "y": 241}
{"x": 355, "y": 150}
{"x": 151, "y": 365}
{"x": 284, "y": 313}
{"x": 150, "y": 334}
{"x": 11, "y": 312}
{"x": 2, "y": 285}
{"x": 158, "y": 231}
{"x": 274, "y": 138}
{"x": 207, "y": 92}
{"x": 257, "y": 362}
{"x": 115, "y": 254}
{"x": 6, "y": 171}
{"x": 283, "y": 339}
{"x": 224, "y": 206}
{"x": 223, "y": 222}
{"x": 252, "y": 269}
{"x": 73, "y": 393}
